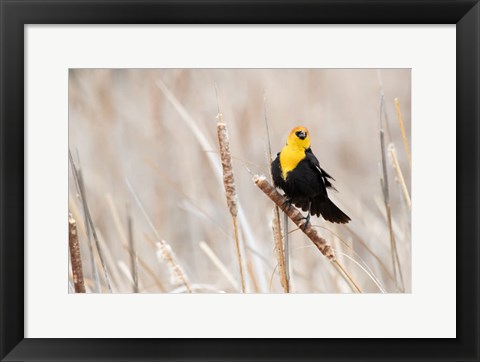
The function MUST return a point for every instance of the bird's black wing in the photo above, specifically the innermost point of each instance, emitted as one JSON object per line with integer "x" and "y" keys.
{"x": 322, "y": 205}
{"x": 310, "y": 157}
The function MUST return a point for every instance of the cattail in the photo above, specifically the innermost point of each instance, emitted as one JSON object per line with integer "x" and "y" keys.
{"x": 75, "y": 257}
{"x": 297, "y": 218}
{"x": 230, "y": 190}
{"x": 178, "y": 276}
{"x": 226, "y": 157}
{"x": 278, "y": 239}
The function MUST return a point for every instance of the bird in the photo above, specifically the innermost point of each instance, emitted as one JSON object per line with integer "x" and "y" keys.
{"x": 297, "y": 172}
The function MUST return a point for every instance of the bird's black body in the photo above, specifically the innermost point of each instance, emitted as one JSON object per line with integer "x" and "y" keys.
{"x": 306, "y": 187}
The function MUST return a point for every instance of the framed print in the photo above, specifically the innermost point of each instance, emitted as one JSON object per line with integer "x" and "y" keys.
{"x": 239, "y": 180}
{"x": 236, "y": 264}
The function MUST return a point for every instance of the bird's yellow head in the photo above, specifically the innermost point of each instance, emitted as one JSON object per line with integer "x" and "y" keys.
{"x": 299, "y": 137}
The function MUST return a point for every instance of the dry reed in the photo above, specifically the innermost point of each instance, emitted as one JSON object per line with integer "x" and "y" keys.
{"x": 397, "y": 270}
{"x": 402, "y": 129}
{"x": 218, "y": 263}
{"x": 81, "y": 187}
{"x": 396, "y": 166}
{"x": 133, "y": 254}
{"x": 107, "y": 252}
{"x": 75, "y": 256}
{"x": 78, "y": 179}
{"x": 150, "y": 272}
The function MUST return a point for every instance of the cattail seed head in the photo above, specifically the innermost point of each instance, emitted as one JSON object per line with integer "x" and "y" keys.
{"x": 226, "y": 157}
{"x": 177, "y": 274}
{"x": 75, "y": 256}
{"x": 295, "y": 216}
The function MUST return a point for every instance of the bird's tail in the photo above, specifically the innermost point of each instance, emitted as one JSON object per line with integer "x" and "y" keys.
{"x": 328, "y": 210}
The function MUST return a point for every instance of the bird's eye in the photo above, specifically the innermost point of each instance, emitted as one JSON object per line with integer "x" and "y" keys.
{"x": 301, "y": 134}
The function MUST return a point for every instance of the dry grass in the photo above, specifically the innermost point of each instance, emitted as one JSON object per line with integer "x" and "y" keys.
{"x": 154, "y": 128}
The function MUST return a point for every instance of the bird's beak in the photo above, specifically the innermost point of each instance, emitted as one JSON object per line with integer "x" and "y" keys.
{"x": 301, "y": 135}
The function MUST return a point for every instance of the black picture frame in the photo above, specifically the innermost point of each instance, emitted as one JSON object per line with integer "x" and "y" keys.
{"x": 16, "y": 14}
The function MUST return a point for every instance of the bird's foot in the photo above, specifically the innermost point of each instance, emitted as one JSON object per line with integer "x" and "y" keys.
{"x": 287, "y": 205}
{"x": 306, "y": 223}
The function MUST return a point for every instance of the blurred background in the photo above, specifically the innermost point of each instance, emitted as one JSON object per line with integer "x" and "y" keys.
{"x": 144, "y": 144}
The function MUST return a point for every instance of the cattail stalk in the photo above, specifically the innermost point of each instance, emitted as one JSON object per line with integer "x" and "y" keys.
{"x": 280, "y": 239}
{"x": 133, "y": 254}
{"x": 402, "y": 128}
{"x": 396, "y": 166}
{"x": 255, "y": 287}
{"x": 298, "y": 219}
{"x": 386, "y": 196}
{"x": 75, "y": 257}
{"x": 230, "y": 189}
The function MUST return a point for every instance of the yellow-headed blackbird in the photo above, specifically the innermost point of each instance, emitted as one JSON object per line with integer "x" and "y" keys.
{"x": 297, "y": 172}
